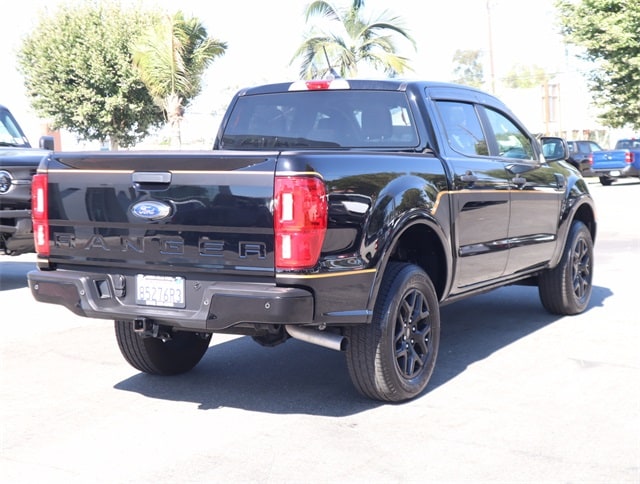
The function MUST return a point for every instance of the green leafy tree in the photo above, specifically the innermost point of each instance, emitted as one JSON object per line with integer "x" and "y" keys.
{"x": 171, "y": 58}
{"x": 609, "y": 33}
{"x": 344, "y": 39}
{"x": 78, "y": 73}
{"x": 468, "y": 68}
{"x": 525, "y": 76}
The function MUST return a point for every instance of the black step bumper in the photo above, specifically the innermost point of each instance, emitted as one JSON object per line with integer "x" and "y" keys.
{"x": 210, "y": 306}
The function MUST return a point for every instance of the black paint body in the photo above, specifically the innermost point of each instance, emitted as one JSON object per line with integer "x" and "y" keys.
{"x": 473, "y": 222}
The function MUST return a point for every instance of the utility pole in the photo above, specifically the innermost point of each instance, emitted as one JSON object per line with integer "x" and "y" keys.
{"x": 491, "y": 65}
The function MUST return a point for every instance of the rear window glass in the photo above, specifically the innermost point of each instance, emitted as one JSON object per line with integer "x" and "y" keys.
{"x": 321, "y": 119}
{"x": 628, "y": 144}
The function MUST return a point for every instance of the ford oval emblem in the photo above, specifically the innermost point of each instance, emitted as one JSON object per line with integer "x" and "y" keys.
{"x": 151, "y": 210}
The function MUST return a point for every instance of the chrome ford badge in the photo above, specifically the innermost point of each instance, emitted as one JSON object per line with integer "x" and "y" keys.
{"x": 151, "y": 210}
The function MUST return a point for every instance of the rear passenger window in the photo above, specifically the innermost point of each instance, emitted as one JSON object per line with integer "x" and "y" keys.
{"x": 463, "y": 129}
{"x": 511, "y": 141}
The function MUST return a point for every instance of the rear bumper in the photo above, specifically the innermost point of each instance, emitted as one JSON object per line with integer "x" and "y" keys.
{"x": 628, "y": 171}
{"x": 210, "y": 306}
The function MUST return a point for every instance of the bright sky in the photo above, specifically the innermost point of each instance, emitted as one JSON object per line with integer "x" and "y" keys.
{"x": 263, "y": 35}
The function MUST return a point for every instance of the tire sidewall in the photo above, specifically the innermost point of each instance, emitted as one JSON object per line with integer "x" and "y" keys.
{"x": 578, "y": 234}
{"x": 156, "y": 357}
{"x": 581, "y": 234}
{"x": 408, "y": 279}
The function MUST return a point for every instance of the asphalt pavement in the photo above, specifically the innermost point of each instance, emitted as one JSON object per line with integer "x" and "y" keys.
{"x": 518, "y": 395}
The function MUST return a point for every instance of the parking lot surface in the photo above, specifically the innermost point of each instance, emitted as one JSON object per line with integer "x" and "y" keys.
{"x": 518, "y": 395}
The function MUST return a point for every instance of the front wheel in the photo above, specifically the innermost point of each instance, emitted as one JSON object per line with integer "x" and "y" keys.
{"x": 157, "y": 357}
{"x": 566, "y": 289}
{"x": 392, "y": 358}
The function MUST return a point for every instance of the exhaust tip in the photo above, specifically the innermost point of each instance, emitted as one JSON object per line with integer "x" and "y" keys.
{"x": 326, "y": 339}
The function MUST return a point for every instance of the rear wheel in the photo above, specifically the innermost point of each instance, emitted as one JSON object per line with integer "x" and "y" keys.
{"x": 606, "y": 180}
{"x": 392, "y": 358}
{"x": 566, "y": 289}
{"x": 157, "y": 357}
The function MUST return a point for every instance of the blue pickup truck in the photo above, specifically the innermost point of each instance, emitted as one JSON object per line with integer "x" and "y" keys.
{"x": 621, "y": 162}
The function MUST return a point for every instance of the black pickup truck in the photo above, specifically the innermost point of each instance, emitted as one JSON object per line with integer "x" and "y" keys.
{"x": 340, "y": 212}
{"x": 18, "y": 163}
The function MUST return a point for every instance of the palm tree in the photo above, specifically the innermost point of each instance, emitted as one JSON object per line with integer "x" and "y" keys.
{"x": 344, "y": 39}
{"x": 171, "y": 59}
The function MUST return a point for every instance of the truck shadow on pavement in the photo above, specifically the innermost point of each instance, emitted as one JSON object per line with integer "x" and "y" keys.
{"x": 297, "y": 377}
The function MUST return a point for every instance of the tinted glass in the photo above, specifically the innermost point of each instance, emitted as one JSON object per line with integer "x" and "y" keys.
{"x": 9, "y": 131}
{"x": 464, "y": 132}
{"x": 321, "y": 119}
{"x": 511, "y": 141}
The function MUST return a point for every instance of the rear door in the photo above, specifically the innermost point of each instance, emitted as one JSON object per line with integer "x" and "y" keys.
{"x": 480, "y": 196}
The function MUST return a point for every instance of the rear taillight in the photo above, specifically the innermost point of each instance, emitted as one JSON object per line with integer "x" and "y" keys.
{"x": 628, "y": 157}
{"x": 591, "y": 159}
{"x": 40, "y": 213}
{"x": 300, "y": 221}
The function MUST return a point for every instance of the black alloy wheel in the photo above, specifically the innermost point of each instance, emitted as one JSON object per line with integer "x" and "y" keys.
{"x": 393, "y": 358}
{"x": 566, "y": 289}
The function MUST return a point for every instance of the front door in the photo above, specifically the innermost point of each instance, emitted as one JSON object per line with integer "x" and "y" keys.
{"x": 536, "y": 191}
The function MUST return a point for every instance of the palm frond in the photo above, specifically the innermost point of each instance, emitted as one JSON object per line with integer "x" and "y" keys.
{"x": 323, "y": 9}
{"x": 350, "y": 40}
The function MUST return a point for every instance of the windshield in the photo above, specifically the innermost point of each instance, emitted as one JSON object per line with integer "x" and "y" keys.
{"x": 321, "y": 119}
{"x": 10, "y": 133}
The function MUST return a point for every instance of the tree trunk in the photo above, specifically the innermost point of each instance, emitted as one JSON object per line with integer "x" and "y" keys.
{"x": 175, "y": 111}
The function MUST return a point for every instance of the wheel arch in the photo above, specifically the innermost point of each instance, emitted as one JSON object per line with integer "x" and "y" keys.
{"x": 578, "y": 207}
{"x": 418, "y": 239}
{"x": 586, "y": 214}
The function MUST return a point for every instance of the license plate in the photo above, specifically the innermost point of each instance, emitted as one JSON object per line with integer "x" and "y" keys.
{"x": 160, "y": 291}
{"x": 614, "y": 173}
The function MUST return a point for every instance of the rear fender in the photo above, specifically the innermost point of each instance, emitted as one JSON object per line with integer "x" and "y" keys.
{"x": 418, "y": 238}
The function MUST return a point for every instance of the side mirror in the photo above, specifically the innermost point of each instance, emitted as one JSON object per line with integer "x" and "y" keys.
{"x": 554, "y": 148}
{"x": 47, "y": 143}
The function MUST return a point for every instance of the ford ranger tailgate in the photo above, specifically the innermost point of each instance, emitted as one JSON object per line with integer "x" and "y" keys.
{"x": 212, "y": 217}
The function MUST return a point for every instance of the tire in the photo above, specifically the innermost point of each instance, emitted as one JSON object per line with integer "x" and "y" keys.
{"x": 392, "y": 358}
{"x": 152, "y": 355}
{"x": 606, "y": 181}
{"x": 566, "y": 289}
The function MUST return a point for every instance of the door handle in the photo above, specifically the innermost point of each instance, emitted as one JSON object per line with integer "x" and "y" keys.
{"x": 151, "y": 177}
{"x": 151, "y": 180}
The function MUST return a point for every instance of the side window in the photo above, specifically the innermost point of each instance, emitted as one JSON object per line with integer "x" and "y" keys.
{"x": 593, "y": 147}
{"x": 511, "y": 141}
{"x": 463, "y": 129}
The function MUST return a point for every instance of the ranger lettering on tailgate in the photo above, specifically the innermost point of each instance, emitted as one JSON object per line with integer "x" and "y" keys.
{"x": 160, "y": 245}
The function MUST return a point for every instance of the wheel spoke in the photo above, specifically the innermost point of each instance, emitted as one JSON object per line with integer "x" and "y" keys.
{"x": 581, "y": 269}
{"x": 413, "y": 344}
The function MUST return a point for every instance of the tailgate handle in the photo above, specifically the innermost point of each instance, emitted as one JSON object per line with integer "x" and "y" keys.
{"x": 152, "y": 177}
